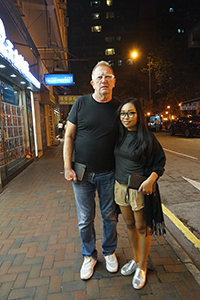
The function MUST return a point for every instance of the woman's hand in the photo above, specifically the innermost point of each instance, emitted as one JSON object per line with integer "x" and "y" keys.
{"x": 147, "y": 186}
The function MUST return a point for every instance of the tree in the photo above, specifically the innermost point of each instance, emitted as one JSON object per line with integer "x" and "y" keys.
{"x": 131, "y": 86}
{"x": 176, "y": 69}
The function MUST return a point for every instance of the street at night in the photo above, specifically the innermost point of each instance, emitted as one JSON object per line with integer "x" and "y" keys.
{"x": 180, "y": 184}
{"x": 81, "y": 217}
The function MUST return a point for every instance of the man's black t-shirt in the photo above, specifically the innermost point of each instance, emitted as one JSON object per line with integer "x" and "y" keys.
{"x": 96, "y": 133}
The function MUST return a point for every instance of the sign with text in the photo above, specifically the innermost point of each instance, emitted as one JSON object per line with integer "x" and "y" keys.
{"x": 189, "y": 106}
{"x": 58, "y": 79}
{"x": 68, "y": 99}
{"x": 12, "y": 55}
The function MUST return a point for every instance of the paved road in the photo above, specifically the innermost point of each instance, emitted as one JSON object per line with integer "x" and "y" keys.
{"x": 40, "y": 249}
{"x": 178, "y": 194}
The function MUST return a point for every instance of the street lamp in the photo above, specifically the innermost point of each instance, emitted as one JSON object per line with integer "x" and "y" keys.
{"x": 134, "y": 54}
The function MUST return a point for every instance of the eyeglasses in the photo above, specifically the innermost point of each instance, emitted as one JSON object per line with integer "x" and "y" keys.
{"x": 108, "y": 77}
{"x": 129, "y": 114}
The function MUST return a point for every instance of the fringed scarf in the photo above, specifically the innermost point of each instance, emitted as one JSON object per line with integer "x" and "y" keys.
{"x": 153, "y": 213}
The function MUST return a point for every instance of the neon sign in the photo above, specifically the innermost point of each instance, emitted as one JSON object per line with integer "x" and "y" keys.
{"x": 11, "y": 54}
{"x": 58, "y": 79}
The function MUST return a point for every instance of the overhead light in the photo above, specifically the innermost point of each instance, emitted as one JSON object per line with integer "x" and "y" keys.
{"x": 29, "y": 88}
{"x": 23, "y": 82}
{"x": 2, "y": 66}
{"x": 13, "y": 75}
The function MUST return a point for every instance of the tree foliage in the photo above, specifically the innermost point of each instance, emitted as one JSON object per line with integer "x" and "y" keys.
{"x": 176, "y": 69}
{"x": 132, "y": 86}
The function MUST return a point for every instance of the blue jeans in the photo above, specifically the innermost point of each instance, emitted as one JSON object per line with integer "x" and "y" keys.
{"x": 84, "y": 192}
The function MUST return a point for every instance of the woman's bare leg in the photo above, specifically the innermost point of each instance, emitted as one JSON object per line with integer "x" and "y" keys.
{"x": 144, "y": 238}
{"x": 133, "y": 235}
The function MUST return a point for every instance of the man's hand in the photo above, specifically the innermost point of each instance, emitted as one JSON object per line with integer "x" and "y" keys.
{"x": 70, "y": 175}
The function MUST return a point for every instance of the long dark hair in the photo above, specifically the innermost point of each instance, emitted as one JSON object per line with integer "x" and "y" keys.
{"x": 143, "y": 137}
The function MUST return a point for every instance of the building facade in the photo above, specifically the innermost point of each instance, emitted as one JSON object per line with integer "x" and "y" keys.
{"x": 112, "y": 29}
{"x": 29, "y": 109}
{"x": 109, "y": 30}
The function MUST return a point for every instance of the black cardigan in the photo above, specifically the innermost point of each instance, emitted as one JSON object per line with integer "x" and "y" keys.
{"x": 152, "y": 161}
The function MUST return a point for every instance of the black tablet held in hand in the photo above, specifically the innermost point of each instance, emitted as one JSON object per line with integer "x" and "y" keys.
{"x": 79, "y": 169}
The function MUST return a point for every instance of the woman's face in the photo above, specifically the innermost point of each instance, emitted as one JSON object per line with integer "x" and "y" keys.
{"x": 128, "y": 116}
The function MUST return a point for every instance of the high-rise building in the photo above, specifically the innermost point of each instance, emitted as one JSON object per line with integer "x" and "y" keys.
{"x": 112, "y": 29}
{"x": 109, "y": 30}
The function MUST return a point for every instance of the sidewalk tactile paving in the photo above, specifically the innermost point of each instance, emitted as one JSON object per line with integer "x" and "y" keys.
{"x": 40, "y": 247}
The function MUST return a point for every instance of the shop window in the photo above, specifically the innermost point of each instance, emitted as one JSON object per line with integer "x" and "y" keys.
{"x": 13, "y": 144}
{"x": 96, "y": 28}
{"x": 110, "y": 51}
{"x": 110, "y": 15}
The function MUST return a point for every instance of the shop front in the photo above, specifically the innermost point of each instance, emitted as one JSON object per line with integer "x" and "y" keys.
{"x": 18, "y": 145}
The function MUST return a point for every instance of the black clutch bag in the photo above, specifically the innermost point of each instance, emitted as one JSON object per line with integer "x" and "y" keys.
{"x": 79, "y": 169}
{"x": 134, "y": 182}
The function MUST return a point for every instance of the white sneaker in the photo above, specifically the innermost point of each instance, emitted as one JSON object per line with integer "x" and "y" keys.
{"x": 111, "y": 263}
{"x": 87, "y": 268}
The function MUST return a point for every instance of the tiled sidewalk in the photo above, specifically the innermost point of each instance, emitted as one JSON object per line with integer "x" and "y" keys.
{"x": 40, "y": 252}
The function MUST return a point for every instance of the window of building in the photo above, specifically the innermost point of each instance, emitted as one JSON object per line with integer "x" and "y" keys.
{"x": 111, "y": 63}
{"x": 110, "y": 51}
{"x": 110, "y": 15}
{"x": 181, "y": 30}
{"x": 129, "y": 62}
{"x": 119, "y": 62}
{"x": 96, "y": 28}
{"x": 171, "y": 9}
{"x": 95, "y": 16}
{"x": 98, "y": 53}
{"x": 95, "y": 3}
{"x": 109, "y": 2}
{"x": 109, "y": 39}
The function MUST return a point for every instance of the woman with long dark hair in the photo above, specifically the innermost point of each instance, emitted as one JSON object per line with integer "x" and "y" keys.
{"x": 138, "y": 152}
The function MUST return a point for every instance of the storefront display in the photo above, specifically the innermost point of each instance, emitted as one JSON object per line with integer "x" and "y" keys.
{"x": 14, "y": 131}
{"x": 14, "y": 138}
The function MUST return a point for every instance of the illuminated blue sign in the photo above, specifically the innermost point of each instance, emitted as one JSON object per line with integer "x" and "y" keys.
{"x": 11, "y": 54}
{"x": 58, "y": 79}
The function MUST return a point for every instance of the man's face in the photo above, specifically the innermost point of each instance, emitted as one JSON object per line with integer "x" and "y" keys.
{"x": 101, "y": 84}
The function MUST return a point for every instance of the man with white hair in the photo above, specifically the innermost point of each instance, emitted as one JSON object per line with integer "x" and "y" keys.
{"x": 89, "y": 139}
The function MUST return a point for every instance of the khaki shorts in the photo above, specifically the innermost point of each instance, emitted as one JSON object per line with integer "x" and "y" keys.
{"x": 136, "y": 200}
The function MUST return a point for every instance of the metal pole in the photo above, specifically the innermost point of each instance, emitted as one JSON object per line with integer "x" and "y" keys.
{"x": 1, "y": 140}
{"x": 149, "y": 78}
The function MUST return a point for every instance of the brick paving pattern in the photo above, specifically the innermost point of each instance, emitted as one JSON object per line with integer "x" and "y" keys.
{"x": 40, "y": 247}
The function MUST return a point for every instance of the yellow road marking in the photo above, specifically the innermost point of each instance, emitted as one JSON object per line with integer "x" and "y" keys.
{"x": 189, "y": 235}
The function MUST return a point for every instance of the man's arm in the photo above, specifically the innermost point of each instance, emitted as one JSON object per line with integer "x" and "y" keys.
{"x": 68, "y": 149}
